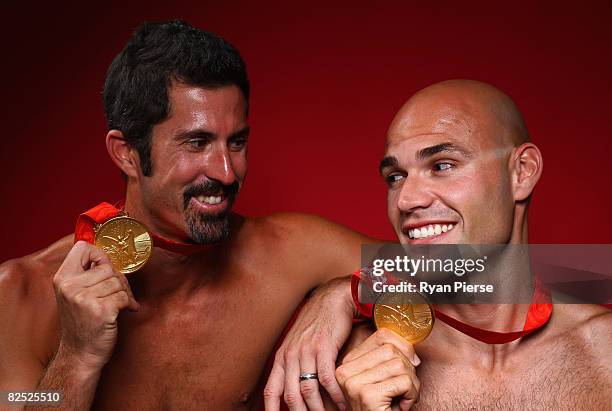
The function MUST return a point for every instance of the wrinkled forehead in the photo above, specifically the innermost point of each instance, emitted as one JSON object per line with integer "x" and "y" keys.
{"x": 416, "y": 127}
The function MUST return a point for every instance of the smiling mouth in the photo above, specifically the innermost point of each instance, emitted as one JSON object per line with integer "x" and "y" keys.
{"x": 211, "y": 200}
{"x": 210, "y": 195}
{"x": 429, "y": 230}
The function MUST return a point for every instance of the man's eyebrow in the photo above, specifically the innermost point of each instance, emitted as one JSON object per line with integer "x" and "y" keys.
{"x": 426, "y": 152}
{"x": 201, "y": 133}
{"x": 195, "y": 133}
{"x": 388, "y": 161}
{"x": 243, "y": 133}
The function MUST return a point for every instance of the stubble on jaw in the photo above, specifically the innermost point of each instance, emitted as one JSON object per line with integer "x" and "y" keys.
{"x": 207, "y": 229}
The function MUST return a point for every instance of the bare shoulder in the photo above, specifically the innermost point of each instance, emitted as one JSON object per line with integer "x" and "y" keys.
{"x": 593, "y": 335}
{"x": 589, "y": 327}
{"x": 27, "y": 307}
{"x": 585, "y": 320}
{"x": 309, "y": 229}
{"x": 26, "y": 282}
{"x": 595, "y": 327}
{"x": 28, "y": 274}
{"x": 324, "y": 248}
{"x": 312, "y": 232}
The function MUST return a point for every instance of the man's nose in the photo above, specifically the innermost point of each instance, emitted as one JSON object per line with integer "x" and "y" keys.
{"x": 220, "y": 168}
{"x": 415, "y": 194}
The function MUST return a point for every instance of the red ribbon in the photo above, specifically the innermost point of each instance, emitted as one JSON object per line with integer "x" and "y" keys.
{"x": 538, "y": 315}
{"x": 105, "y": 211}
{"x": 365, "y": 310}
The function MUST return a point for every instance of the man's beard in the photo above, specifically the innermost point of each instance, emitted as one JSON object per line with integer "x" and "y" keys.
{"x": 209, "y": 228}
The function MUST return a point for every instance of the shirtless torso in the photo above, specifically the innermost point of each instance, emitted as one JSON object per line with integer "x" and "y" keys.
{"x": 565, "y": 366}
{"x": 202, "y": 345}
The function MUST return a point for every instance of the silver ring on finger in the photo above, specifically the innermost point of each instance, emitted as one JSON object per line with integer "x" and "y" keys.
{"x": 308, "y": 376}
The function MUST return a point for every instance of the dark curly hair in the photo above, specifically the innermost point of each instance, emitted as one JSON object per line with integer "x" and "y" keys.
{"x": 137, "y": 81}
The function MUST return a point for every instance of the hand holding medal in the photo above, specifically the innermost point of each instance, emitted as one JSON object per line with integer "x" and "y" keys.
{"x": 380, "y": 373}
{"x": 90, "y": 293}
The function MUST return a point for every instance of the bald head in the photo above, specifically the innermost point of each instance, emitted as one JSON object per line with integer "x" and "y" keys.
{"x": 458, "y": 155}
{"x": 474, "y": 107}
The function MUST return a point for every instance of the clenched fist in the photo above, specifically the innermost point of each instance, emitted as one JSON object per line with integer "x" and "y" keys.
{"x": 380, "y": 374}
{"x": 90, "y": 294}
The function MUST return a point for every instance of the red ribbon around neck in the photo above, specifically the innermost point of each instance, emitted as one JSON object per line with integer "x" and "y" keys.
{"x": 105, "y": 211}
{"x": 538, "y": 315}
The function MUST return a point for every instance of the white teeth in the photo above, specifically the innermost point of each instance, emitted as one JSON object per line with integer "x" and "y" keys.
{"x": 429, "y": 230}
{"x": 209, "y": 199}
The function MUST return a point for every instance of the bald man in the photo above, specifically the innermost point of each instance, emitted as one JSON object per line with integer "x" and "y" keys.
{"x": 458, "y": 155}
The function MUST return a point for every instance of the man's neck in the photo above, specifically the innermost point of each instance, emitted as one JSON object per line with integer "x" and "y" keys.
{"x": 169, "y": 273}
{"x": 135, "y": 208}
{"x": 513, "y": 282}
{"x": 459, "y": 346}
{"x": 508, "y": 272}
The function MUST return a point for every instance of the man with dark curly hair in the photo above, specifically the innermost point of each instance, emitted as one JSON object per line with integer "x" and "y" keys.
{"x": 193, "y": 328}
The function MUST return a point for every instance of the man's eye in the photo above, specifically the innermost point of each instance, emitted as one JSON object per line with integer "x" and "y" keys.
{"x": 442, "y": 166}
{"x": 197, "y": 142}
{"x": 393, "y": 178}
{"x": 237, "y": 145}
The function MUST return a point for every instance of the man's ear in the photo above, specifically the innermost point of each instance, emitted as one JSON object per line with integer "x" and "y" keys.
{"x": 526, "y": 167}
{"x": 122, "y": 154}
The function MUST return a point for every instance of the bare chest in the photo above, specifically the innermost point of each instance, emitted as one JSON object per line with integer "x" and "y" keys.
{"x": 199, "y": 357}
{"x": 550, "y": 380}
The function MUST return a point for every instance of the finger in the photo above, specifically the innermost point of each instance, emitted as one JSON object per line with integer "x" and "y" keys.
{"x": 112, "y": 305}
{"x": 401, "y": 385}
{"x": 405, "y": 405}
{"x": 327, "y": 378}
{"x": 94, "y": 276}
{"x": 78, "y": 283}
{"x": 105, "y": 288}
{"x": 118, "y": 300}
{"x": 372, "y": 360}
{"x": 411, "y": 397}
{"x": 381, "y": 337}
{"x": 274, "y": 387}
{"x": 134, "y": 305}
{"x": 371, "y": 343}
{"x": 113, "y": 285}
{"x": 309, "y": 389}
{"x": 384, "y": 371}
{"x": 81, "y": 256}
{"x": 292, "y": 395}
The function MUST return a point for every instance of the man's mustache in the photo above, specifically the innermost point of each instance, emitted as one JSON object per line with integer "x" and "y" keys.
{"x": 210, "y": 188}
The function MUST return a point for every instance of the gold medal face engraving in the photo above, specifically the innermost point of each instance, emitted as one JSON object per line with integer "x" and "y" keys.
{"x": 126, "y": 241}
{"x": 409, "y": 315}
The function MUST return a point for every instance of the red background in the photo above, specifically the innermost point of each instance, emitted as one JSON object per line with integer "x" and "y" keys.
{"x": 326, "y": 82}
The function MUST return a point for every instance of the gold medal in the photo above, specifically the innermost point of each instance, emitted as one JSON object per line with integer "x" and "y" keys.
{"x": 408, "y": 314}
{"x": 126, "y": 241}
